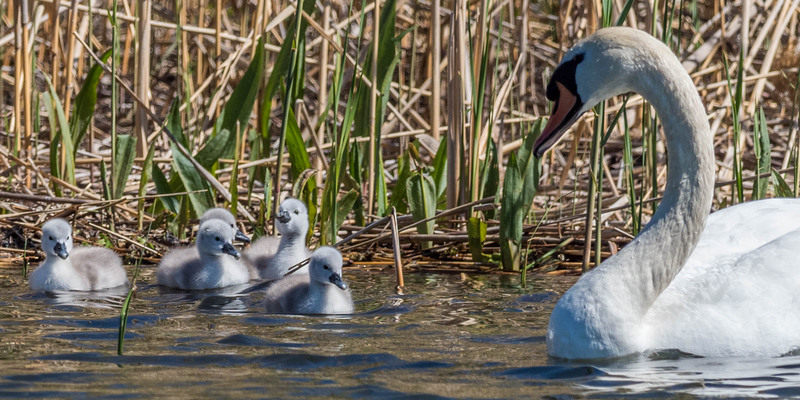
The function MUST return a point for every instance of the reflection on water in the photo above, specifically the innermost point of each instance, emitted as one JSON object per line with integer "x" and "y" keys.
{"x": 449, "y": 337}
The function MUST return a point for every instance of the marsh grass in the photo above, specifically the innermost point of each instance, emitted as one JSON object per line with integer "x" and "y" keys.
{"x": 244, "y": 89}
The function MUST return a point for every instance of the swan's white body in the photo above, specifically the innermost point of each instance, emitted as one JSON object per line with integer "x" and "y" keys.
{"x": 81, "y": 268}
{"x": 726, "y": 287}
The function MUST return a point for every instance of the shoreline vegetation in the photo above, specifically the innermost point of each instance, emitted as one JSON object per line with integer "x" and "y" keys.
{"x": 431, "y": 118}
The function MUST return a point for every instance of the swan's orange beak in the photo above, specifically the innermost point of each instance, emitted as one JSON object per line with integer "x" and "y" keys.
{"x": 565, "y": 112}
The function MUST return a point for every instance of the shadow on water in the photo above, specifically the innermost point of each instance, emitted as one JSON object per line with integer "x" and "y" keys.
{"x": 449, "y": 337}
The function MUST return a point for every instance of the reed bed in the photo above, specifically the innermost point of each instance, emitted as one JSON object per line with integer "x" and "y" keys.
{"x": 131, "y": 118}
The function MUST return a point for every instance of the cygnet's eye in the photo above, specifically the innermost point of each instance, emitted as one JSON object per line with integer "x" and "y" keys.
{"x": 216, "y": 238}
{"x": 296, "y": 211}
{"x": 325, "y": 266}
{"x": 51, "y": 237}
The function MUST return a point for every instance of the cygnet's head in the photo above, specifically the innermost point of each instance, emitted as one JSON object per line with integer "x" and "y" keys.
{"x": 57, "y": 238}
{"x": 225, "y": 216}
{"x": 292, "y": 218}
{"x": 326, "y": 267}
{"x": 214, "y": 239}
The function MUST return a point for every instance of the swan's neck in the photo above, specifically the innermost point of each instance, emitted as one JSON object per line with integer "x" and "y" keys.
{"x": 602, "y": 314}
{"x": 647, "y": 265}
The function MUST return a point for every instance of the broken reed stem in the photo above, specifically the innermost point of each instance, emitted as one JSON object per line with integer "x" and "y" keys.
{"x": 398, "y": 263}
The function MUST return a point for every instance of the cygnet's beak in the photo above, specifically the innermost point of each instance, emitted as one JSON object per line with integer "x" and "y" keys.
{"x": 336, "y": 279}
{"x": 228, "y": 248}
{"x": 284, "y": 217}
{"x": 240, "y": 236}
{"x": 61, "y": 250}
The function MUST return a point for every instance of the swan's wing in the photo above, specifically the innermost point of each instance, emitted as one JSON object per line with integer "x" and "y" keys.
{"x": 102, "y": 267}
{"x": 740, "y": 286}
{"x": 737, "y": 230}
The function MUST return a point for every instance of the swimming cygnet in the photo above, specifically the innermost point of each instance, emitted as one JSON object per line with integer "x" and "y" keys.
{"x": 213, "y": 263}
{"x": 79, "y": 268}
{"x": 271, "y": 257}
{"x": 225, "y": 216}
{"x": 322, "y": 291}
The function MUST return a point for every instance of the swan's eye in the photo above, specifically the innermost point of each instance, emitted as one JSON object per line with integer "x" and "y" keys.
{"x": 216, "y": 238}
{"x": 296, "y": 211}
{"x": 51, "y": 237}
{"x": 233, "y": 226}
{"x": 578, "y": 58}
{"x": 325, "y": 266}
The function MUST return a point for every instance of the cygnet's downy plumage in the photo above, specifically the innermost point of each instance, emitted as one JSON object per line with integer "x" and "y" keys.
{"x": 271, "y": 257}
{"x": 225, "y": 216}
{"x": 79, "y": 268}
{"x": 212, "y": 264}
{"x": 322, "y": 291}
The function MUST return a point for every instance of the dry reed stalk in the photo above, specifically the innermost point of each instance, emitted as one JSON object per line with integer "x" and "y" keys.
{"x": 456, "y": 106}
{"x": 205, "y": 174}
{"x": 142, "y": 83}
{"x": 398, "y": 262}
{"x": 323, "y": 92}
{"x": 436, "y": 57}
{"x": 786, "y": 14}
{"x": 373, "y": 106}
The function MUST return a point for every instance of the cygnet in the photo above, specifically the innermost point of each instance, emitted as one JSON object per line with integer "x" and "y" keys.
{"x": 212, "y": 263}
{"x": 80, "y": 268}
{"x": 322, "y": 291}
{"x": 271, "y": 257}
{"x": 225, "y": 216}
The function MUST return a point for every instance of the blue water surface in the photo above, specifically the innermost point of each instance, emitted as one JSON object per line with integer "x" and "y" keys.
{"x": 448, "y": 336}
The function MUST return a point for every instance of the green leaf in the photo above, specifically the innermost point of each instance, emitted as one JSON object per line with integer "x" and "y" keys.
{"x": 422, "y": 202}
{"x": 763, "y": 153}
{"x": 345, "y": 206}
{"x": 85, "y": 102}
{"x": 237, "y": 109}
{"x": 440, "y": 168}
{"x": 781, "y": 187}
{"x": 201, "y": 198}
{"x": 476, "y": 232}
{"x": 399, "y": 197}
{"x": 123, "y": 162}
{"x": 163, "y": 187}
{"x": 56, "y": 113}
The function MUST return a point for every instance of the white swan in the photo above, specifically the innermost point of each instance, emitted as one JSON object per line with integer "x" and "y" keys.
{"x": 80, "y": 268}
{"x": 212, "y": 263}
{"x": 729, "y": 286}
{"x": 270, "y": 257}
{"x": 321, "y": 291}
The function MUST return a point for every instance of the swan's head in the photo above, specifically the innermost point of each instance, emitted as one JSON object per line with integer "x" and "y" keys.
{"x": 57, "y": 238}
{"x": 292, "y": 218}
{"x": 214, "y": 239}
{"x": 598, "y": 67}
{"x": 225, "y": 216}
{"x": 326, "y": 267}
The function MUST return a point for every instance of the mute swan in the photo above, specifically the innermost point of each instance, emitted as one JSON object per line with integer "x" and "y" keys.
{"x": 322, "y": 291}
{"x": 728, "y": 286}
{"x": 271, "y": 257}
{"x": 225, "y": 216}
{"x": 80, "y": 268}
{"x": 213, "y": 264}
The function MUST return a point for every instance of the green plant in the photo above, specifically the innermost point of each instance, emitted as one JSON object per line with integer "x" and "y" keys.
{"x": 519, "y": 187}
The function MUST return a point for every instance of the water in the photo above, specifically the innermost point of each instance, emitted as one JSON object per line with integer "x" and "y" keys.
{"x": 451, "y": 336}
